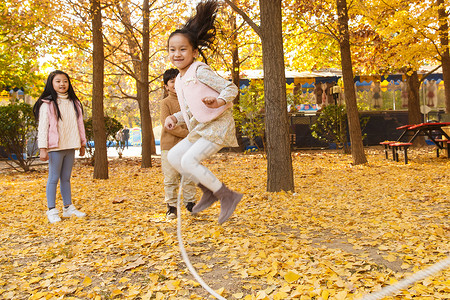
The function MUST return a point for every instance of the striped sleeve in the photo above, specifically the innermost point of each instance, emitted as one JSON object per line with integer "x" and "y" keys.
{"x": 227, "y": 90}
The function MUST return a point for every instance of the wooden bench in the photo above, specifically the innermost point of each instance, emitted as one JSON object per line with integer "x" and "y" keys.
{"x": 445, "y": 144}
{"x": 387, "y": 147}
{"x": 397, "y": 147}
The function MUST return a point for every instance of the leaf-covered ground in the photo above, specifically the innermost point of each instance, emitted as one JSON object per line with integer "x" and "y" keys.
{"x": 346, "y": 231}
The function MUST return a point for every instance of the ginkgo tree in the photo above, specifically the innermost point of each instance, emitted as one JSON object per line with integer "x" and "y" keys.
{"x": 136, "y": 52}
{"x": 21, "y": 36}
{"x": 408, "y": 36}
{"x": 98, "y": 72}
{"x": 322, "y": 39}
{"x": 279, "y": 161}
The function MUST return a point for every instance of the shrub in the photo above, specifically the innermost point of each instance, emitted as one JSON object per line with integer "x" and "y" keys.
{"x": 17, "y": 129}
{"x": 248, "y": 114}
{"x": 332, "y": 125}
{"x": 112, "y": 126}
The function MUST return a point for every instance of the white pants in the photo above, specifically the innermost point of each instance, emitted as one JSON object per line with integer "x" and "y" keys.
{"x": 186, "y": 157}
{"x": 171, "y": 182}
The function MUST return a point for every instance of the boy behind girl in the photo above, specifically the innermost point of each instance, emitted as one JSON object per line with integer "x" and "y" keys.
{"x": 169, "y": 106}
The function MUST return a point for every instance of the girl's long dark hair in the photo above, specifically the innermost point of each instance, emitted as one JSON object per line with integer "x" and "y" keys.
{"x": 50, "y": 94}
{"x": 200, "y": 29}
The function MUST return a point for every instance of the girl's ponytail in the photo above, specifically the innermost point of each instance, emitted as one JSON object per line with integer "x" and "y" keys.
{"x": 202, "y": 24}
{"x": 200, "y": 29}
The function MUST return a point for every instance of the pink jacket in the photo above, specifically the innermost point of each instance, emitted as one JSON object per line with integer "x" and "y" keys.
{"x": 53, "y": 136}
{"x": 191, "y": 91}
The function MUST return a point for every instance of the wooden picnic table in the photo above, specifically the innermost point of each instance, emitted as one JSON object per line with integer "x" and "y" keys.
{"x": 433, "y": 130}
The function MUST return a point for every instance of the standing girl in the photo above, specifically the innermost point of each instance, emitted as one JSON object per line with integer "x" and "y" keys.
{"x": 60, "y": 133}
{"x": 205, "y": 100}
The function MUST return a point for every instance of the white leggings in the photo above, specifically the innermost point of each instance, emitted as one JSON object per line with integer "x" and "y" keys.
{"x": 186, "y": 158}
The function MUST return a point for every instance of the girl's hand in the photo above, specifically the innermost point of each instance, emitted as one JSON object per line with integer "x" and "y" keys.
{"x": 82, "y": 151}
{"x": 43, "y": 154}
{"x": 170, "y": 122}
{"x": 213, "y": 102}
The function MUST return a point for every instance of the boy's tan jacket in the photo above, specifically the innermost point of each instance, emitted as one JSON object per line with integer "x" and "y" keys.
{"x": 170, "y": 138}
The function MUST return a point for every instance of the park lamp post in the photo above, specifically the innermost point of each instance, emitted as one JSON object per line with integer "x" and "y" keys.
{"x": 335, "y": 92}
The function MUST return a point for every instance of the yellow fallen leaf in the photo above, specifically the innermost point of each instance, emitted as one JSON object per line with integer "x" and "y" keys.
{"x": 291, "y": 277}
{"x": 87, "y": 281}
{"x": 133, "y": 291}
{"x": 286, "y": 288}
{"x": 35, "y": 279}
{"x": 45, "y": 283}
{"x": 115, "y": 292}
{"x": 154, "y": 277}
{"x": 62, "y": 269}
{"x": 261, "y": 295}
{"x": 147, "y": 296}
{"x": 280, "y": 296}
{"x": 123, "y": 279}
{"x": 392, "y": 281}
{"x": 221, "y": 291}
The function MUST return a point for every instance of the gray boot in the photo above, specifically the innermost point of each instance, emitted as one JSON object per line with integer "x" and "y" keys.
{"x": 228, "y": 202}
{"x": 206, "y": 201}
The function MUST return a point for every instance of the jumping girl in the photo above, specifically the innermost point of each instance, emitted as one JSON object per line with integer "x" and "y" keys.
{"x": 206, "y": 101}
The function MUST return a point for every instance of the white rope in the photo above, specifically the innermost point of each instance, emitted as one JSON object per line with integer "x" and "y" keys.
{"x": 441, "y": 265}
{"x": 183, "y": 250}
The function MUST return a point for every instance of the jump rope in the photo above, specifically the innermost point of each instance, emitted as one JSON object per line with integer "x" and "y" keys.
{"x": 384, "y": 292}
{"x": 183, "y": 250}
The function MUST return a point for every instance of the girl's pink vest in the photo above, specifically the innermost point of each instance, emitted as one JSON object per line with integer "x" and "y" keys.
{"x": 190, "y": 92}
{"x": 53, "y": 136}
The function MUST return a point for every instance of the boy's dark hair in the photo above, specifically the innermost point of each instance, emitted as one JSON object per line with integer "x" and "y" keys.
{"x": 170, "y": 74}
{"x": 200, "y": 29}
{"x": 50, "y": 94}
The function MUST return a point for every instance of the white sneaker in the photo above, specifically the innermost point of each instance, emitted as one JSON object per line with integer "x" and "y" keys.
{"x": 52, "y": 215}
{"x": 72, "y": 211}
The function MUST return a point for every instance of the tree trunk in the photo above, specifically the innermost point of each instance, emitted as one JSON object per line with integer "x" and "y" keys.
{"x": 140, "y": 68}
{"x": 414, "y": 114}
{"x": 148, "y": 142}
{"x": 412, "y": 82}
{"x": 98, "y": 120}
{"x": 354, "y": 126}
{"x": 445, "y": 54}
{"x": 279, "y": 161}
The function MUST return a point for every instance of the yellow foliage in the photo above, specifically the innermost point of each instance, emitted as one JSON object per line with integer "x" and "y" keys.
{"x": 344, "y": 232}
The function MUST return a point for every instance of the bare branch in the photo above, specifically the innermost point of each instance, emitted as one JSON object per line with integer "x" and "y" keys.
{"x": 250, "y": 22}
{"x": 429, "y": 73}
